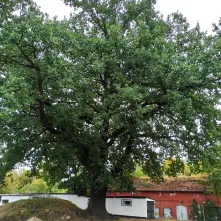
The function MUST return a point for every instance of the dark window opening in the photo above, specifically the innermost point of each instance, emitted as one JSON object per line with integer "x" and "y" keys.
{"x": 126, "y": 202}
{"x": 5, "y": 201}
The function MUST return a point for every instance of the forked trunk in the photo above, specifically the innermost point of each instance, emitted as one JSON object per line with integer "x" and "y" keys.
{"x": 97, "y": 204}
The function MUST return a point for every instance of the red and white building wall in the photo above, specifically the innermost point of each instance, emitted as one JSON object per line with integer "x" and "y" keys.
{"x": 171, "y": 204}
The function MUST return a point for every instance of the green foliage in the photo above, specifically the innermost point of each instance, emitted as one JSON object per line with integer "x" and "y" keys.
{"x": 22, "y": 182}
{"x": 138, "y": 172}
{"x": 212, "y": 166}
{"x": 173, "y": 166}
{"x": 187, "y": 170}
{"x": 89, "y": 98}
{"x": 207, "y": 211}
{"x": 195, "y": 210}
{"x": 176, "y": 167}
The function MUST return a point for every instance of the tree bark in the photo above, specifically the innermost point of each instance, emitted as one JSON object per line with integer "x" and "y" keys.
{"x": 97, "y": 204}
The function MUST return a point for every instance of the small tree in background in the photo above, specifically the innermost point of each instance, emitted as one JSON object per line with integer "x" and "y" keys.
{"x": 195, "y": 211}
{"x": 138, "y": 172}
{"x": 22, "y": 182}
{"x": 211, "y": 164}
{"x": 208, "y": 211}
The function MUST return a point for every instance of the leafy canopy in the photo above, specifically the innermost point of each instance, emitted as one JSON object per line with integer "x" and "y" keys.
{"x": 89, "y": 98}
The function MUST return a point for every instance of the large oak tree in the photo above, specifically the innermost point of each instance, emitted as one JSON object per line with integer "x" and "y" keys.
{"x": 88, "y": 98}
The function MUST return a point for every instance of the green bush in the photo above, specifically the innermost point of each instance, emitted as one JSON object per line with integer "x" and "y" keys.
{"x": 208, "y": 211}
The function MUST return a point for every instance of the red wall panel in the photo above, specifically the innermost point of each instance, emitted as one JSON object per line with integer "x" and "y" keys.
{"x": 170, "y": 200}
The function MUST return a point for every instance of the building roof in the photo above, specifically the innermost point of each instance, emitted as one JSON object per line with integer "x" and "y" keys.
{"x": 189, "y": 184}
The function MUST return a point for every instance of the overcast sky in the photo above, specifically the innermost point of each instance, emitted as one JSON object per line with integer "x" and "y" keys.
{"x": 205, "y": 12}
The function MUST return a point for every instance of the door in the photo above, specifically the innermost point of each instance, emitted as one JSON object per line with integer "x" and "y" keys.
{"x": 150, "y": 209}
{"x": 181, "y": 213}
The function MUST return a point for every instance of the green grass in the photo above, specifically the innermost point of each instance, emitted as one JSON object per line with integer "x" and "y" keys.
{"x": 48, "y": 209}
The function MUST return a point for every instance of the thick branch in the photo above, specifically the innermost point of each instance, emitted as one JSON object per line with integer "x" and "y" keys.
{"x": 48, "y": 126}
{"x": 98, "y": 22}
{"x": 118, "y": 168}
{"x": 32, "y": 64}
{"x": 44, "y": 120}
{"x": 103, "y": 82}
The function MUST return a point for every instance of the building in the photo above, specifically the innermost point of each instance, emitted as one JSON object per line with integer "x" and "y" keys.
{"x": 169, "y": 199}
{"x": 141, "y": 207}
{"x": 172, "y": 198}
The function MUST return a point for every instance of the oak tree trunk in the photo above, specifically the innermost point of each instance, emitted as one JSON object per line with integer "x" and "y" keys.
{"x": 97, "y": 204}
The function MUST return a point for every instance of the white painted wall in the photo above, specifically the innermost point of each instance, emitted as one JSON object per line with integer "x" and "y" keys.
{"x": 79, "y": 201}
{"x": 13, "y": 198}
{"x": 113, "y": 205}
{"x": 138, "y": 208}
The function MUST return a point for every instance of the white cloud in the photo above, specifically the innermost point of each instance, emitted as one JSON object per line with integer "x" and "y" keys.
{"x": 54, "y": 8}
{"x": 203, "y": 11}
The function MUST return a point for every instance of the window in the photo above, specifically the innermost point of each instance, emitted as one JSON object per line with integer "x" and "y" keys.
{"x": 126, "y": 202}
{"x": 5, "y": 201}
{"x": 181, "y": 212}
{"x": 156, "y": 213}
{"x": 167, "y": 213}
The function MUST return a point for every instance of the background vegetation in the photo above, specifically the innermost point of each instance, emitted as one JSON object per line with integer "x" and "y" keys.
{"x": 21, "y": 181}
